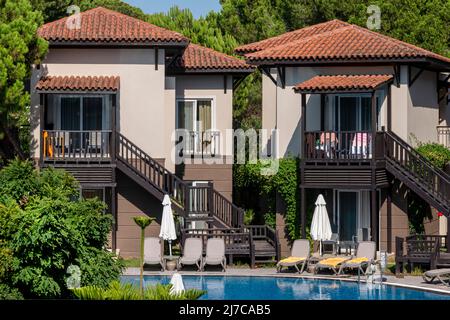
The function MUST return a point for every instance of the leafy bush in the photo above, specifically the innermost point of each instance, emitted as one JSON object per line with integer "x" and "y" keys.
{"x": 121, "y": 291}
{"x": 47, "y": 227}
{"x": 436, "y": 153}
{"x": 9, "y": 293}
{"x": 252, "y": 187}
{"x": 249, "y": 216}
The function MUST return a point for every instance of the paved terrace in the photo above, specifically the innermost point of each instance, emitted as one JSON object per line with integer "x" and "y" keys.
{"x": 407, "y": 281}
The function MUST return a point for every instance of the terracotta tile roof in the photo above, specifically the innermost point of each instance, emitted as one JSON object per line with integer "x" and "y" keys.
{"x": 102, "y": 25}
{"x": 343, "y": 83}
{"x": 78, "y": 83}
{"x": 291, "y": 36}
{"x": 196, "y": 57}
{"x": 348, "y": 42}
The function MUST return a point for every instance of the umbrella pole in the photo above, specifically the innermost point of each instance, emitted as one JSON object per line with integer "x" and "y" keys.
{"x": 170, "y": 248}
{"x": 320, "y": 247}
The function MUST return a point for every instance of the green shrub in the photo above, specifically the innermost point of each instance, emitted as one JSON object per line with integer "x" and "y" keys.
{"x": 47, "y": 227}
{"x": 249, "y": 216}
{"x": 252, "y": 187}
{"x": 121, "y": 291}
{"x": 9, "y": 293}
{"x": 435, "y": 153}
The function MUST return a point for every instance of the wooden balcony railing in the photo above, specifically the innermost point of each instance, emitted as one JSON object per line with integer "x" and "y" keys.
{"x": 206, "y": 143}
{"x": 443, "y": 135}
{"x": 338, "y": 145}
{"x": 76, "y": 145}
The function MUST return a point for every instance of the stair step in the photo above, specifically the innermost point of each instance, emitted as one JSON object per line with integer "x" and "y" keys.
{"x": 208, "y": 218}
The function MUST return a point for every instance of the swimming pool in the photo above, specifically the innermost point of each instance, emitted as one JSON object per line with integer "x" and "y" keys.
{"x": 279, "y": 288}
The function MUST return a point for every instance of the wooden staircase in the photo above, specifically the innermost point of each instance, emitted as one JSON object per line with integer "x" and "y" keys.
{"x": 193, "y": 203}
{"x": 417, "y": 173}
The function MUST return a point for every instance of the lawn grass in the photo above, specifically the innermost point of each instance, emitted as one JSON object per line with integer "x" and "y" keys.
{"x": 131, "y": 262}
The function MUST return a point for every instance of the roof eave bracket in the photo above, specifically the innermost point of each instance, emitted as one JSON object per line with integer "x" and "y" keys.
{"x": 266, "y": 71}
{"x": 282, "y": 75}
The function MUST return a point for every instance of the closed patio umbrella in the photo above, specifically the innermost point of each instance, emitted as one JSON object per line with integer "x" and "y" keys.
{"x": 320, "y": 226}
{"x": 177, "y": 284}
{"x": 167, "y": 224}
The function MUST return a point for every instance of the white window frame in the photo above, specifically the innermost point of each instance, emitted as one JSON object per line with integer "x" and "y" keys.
{"x": 195, "y": 100}
{"x": 379, "y": 95}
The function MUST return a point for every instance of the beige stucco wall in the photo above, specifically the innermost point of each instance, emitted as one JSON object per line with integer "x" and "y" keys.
{"x": 423, "y": 108}
{"x": 283, "y": 106}
{"x": 210, "y": 86}
{"x": 142, "y": 92}
{"x": 169, "y": 121}
{"x": 415, "y": 110}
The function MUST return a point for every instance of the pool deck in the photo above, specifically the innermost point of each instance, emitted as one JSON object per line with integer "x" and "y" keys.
{"x": 415, "y": 282}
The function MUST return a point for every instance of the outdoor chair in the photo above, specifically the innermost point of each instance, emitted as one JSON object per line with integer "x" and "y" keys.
{"x": 365, "y": 257}
{"x": 333, "y": 242}
{"x": 431, "y": 275}
{"x": 152, "y": 252}
{"x": 333, "y": 264}
{"x": 300, "y": 255}
{"x": 192, "y": 253}
{"x": 215, "y": 253}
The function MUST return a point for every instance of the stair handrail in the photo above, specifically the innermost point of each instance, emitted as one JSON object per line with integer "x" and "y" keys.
{"x": 162, "y": 171}
{"x": 445, "y": 176}
{"x": 181, "y": 200}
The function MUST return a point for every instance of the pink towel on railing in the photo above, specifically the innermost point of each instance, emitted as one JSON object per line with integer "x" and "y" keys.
{"x": 361, "y": 139}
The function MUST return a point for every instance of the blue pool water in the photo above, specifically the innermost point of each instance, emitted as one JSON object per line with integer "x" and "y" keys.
{"x": 277, "y": 288}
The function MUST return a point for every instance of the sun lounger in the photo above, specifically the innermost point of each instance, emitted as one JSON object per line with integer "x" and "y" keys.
{"x": 365, "y": 257}
{"x": 215, "y": 253}
{"x": 300, "y": 254}
{"x": 192, "y": 253}
{"x": 152, "y": 252}
{"x": 330, "y": 263}
{"x": 439, "y": 274}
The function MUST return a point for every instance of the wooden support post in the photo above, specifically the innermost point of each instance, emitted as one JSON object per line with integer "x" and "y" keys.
{"x": 303, "y": 126}
{"x": 374, "y": 217}
{"x": 225, "y": 83}
{"x": 42, "y": 103}
{"x": 448, "y": 234}
{"x": 322, "y": 112}
{"x": 389, "y": 218}
{"x": 303, "y": 212}
{"x": 114, "y": 212}
{"x": 113, "y": 142}
{"x": 389, "y": 108}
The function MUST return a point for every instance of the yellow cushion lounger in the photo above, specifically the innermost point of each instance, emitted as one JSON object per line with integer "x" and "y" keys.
{"x": 330, "y": 263}
{"x": 292, "y": 260}
{"x": 333, "y": 262}
{"x": 300, "y": 254}
{"x": 365, "y": 256}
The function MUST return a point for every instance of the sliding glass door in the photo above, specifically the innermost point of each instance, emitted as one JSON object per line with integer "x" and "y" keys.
{"x": 352, "y": 113}
{"x": 348, "y": 202}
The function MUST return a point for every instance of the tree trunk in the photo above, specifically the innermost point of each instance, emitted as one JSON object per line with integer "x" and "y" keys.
{"x": 12, "y": 139}
{"x": 141, "y": 281}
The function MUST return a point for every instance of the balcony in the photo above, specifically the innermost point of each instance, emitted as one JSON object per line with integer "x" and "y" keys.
{"x": 76, "y": 146}
{"x": 443, "y": 135}
{"x": 203, "y": 144}
{"x": 338, "y": 145}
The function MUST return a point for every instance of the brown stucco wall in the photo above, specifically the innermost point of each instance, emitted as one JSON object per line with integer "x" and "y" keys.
{"x": 132, "y": 200}
{"x": 220, "y": 174}
{"x": 397, "y": 225}
{"x": 432, "y": 225}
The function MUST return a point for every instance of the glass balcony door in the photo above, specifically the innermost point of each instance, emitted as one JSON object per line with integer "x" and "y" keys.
{"x": 77, "y": 126}
{"x": 196, "y": 116}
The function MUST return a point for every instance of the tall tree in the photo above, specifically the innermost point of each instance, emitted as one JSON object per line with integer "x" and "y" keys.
{"x": 19, "y": 49}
